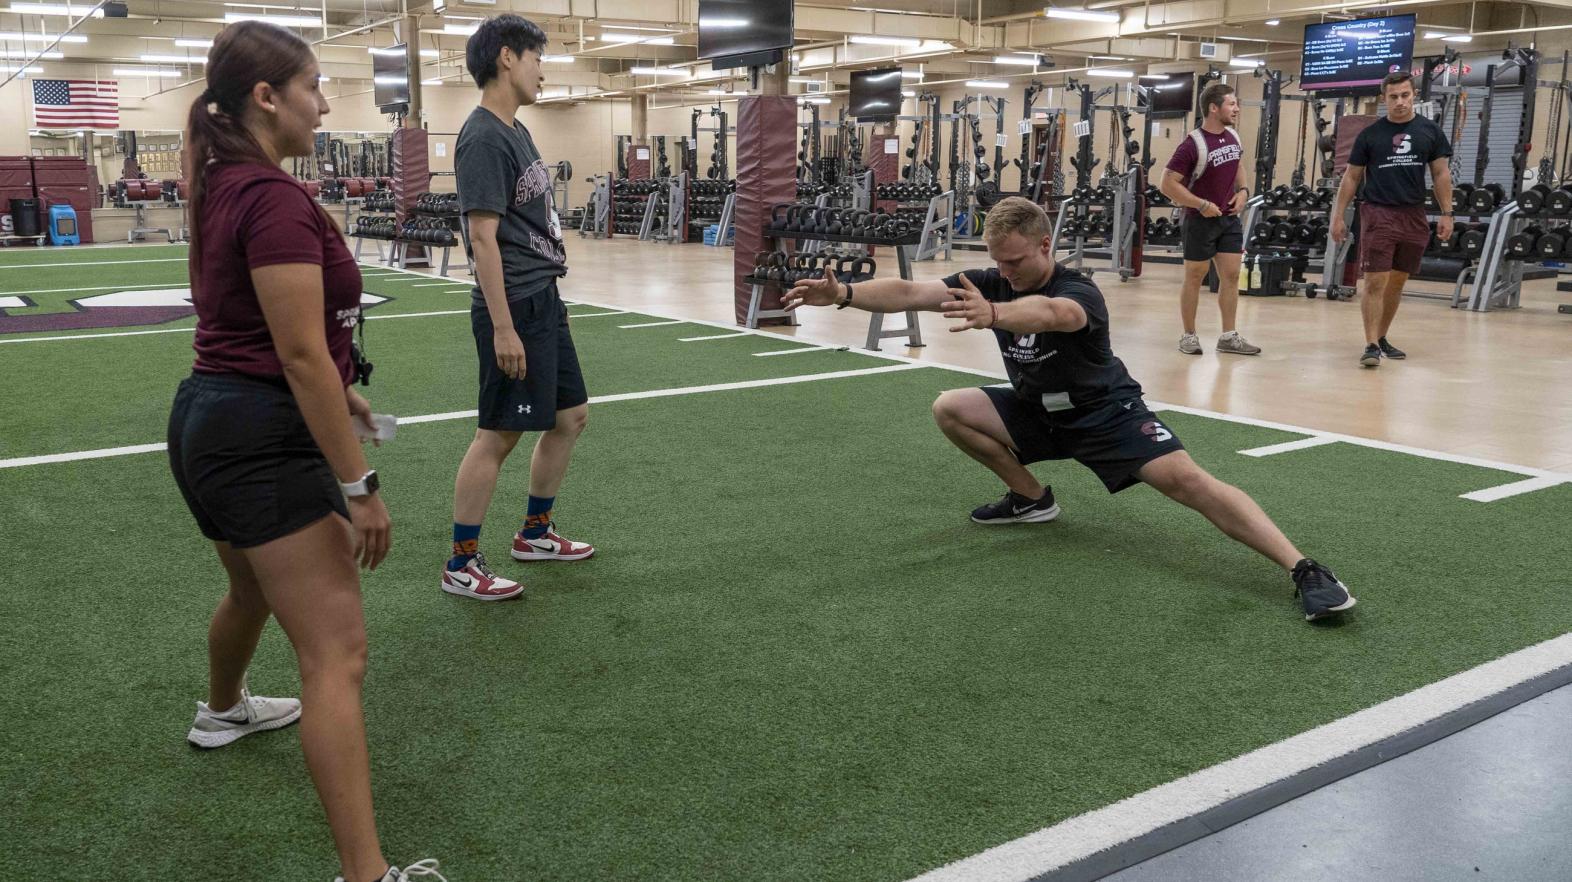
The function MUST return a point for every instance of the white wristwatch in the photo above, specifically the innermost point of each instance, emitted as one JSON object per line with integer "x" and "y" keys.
{"x": 367, "y": 485}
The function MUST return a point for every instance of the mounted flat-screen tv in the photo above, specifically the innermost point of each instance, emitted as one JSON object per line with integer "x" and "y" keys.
{"x": 745, "y": 33}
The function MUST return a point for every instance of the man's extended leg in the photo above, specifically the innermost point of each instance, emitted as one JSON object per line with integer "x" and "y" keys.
{"x": 1230, "y": 509}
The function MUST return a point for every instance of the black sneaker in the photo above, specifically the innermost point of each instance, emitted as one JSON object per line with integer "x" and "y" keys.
{"x": 1372, "y": 356}
{"x": 1320, "y": 591}
{"x": 1017, "y": 509}
{"x": 1391, "y": 351}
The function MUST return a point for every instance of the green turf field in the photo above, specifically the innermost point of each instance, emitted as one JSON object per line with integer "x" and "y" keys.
{"x": 792, "y": 658}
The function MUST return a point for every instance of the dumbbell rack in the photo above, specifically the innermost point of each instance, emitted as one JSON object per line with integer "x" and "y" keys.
{"x": 1498, "y": 282}
{"x": 904, "y": 249}
{"x": 1120, "y": 238}
{"x": 1331, "y": 261}
{"x": 361, "y": 239}
{"x": 399, "y": 255}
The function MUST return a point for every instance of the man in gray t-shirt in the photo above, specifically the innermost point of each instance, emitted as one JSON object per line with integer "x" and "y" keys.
{"x": 529, "y": 370}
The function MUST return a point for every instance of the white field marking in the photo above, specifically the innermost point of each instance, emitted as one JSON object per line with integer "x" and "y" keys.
{"x": 98, "y": 288}
{"x": 1289, "y": 446}
{"x": 396, "y": 315}
{"x": 10, "y": 266}
{"x": 653, "y": 324}
{"x": 715, "y": 337}
{"x": 1516, "y": 488}
{"x": 795, "y": 351}
{"x": 12, "y": 302}
{"x": 454, "y": 285}
{"x": 107, "y": 452}
{"x": 1096, "y": 831}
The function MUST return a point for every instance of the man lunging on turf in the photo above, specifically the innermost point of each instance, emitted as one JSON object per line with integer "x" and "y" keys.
{"x": 1206, "y": 176}
{"x": 529, "y": 370}
{"x": 1389, "y": 158}
{"x": 1071, "y": 397}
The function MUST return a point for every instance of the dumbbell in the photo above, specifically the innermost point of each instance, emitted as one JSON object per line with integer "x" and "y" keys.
{"x": 1559, "y": 201}
{"x": 1301, "y": 196}
{"x": 1278, "y": 198}
{"x": 1474, "y": 240}
{"x": 1485, "y": 199}
{"x": 1283, "y": 233}
{"x": 1462, "y": 198}
{"x": 1533, "y": 199}
{"x": 1521, "y": 245}
{"x": 1550, "y": 245}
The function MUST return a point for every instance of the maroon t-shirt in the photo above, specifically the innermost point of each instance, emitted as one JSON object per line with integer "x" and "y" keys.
{"x": 1216, "y": 184}
{"x": 254, "y": 216}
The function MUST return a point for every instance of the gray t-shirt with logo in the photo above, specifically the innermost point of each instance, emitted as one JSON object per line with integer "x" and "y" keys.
{"x": 500, "y": 171}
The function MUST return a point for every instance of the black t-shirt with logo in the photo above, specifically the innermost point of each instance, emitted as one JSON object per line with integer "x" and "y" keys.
{"x": 1395, "y": 156}
{"x": 500, "y": 171}
{"x": 1071, "y": 374}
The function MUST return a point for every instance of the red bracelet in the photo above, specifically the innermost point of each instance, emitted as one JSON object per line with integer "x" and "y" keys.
{"x": 995, "y": 315}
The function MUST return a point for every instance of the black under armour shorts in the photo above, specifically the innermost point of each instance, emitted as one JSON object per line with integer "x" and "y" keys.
{"x": 552, "y": 378}
{"x": 245, "y": 462}
{"x": 1206, "y": 237}
{"x": 1114, "y": 442}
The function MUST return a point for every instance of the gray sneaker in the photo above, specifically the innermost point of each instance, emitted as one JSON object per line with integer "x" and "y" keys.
{"x": 427, "y": 867}
{"x": 253, "y": 714}
{"x": 1190, "y": 344}
{"x": 1232, "y": 342}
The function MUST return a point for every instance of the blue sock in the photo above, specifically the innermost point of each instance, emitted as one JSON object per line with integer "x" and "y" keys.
{"x": 466, "y": 542}
{"x": 538, "y": 519}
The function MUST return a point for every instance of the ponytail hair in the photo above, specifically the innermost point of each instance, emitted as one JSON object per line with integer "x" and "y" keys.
{"x": 243, "y": 55}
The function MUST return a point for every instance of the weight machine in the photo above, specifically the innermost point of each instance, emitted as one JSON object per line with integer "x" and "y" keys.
{"x": 1118, "y": 222}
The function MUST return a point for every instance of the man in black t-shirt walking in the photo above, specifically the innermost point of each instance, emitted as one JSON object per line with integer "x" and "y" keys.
{"x": 1389, "y": 158}
{"x": 529, "y": 370}
{"x": 1069, "y": 396}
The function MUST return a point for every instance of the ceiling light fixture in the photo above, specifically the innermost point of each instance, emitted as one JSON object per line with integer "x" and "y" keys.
{"x": 194, "y": 44}
{"x": 283, "y": 21}
{"x": 42, "y": 38}
{"x": 174, "y": 59}
{"x": 1272, "y": 22}
{"x": 1116, "y": 73}
{"x": 144, "y": 72}
{"x": 53, "y": 9}
{"x": 634, "y": 38}
{"x": 862, "y": 40}
{"x": 986, "y": 84}
{"x": 1081, "y": 14}
{"x": 1021, "y": 60}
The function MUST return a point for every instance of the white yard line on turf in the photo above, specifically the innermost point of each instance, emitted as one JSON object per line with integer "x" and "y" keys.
{"x": 714, "y": 337}
{"x": 369, "y": 318}
{"x": 454, "y": 285}
{"x": 1096, "y": 831}
{"x": 1516, "y": 488}
{"x": 1289, "y": 446}
{"x": 107, "y": 452}
{"x": 181, "y": 282}
{"x": 653, "y": 324}
{"x": 795, "y": 351}
{"x": 8, "y": 266}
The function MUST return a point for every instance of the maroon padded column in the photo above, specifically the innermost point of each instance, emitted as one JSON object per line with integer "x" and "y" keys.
{"x": 766, "y": 177}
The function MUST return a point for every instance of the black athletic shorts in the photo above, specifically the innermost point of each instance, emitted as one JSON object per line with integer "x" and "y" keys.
{"x": 1207, "y": 237}
{"x": 245, "y": 461}
{"x": 1115, "y": 442}
{"x": 552, "y": 379}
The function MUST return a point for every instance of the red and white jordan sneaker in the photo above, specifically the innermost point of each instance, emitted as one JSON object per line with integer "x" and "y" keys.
{"x": 549, "y": 547}
{"x": 477, "y": 581}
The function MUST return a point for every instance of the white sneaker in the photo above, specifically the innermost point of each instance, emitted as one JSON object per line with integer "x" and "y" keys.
{"x": 1190, "y": 344}
{"x": 1238, "y": 345}
{"x": 427, "y": 867}
{"x": 254, "y": 713}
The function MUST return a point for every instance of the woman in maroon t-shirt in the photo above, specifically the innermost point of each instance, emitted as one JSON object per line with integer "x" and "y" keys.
{"x": 261, "y": 439}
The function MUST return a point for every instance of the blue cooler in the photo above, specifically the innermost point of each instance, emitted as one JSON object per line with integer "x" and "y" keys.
{"x": 62, "y": 226}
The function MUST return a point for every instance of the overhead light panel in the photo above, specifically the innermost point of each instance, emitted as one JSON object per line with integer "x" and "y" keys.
{"x": 1158, "y": 76}
{"x": 459, "y": 30}
{"x": 1450, "y": 38}
{"x": 174, "y": 59}
{"x": 657, "y": 71}
{"x": 1116, "y": 73}
{"x": 1272, "y": 22}
{"x": 283, "y": 21}
{"x": 725, "y": 22}
{"x": 42, "y": 38}
{"x": 1021, "y": 60}
{"x": 911, "y": 74}
{"x": 1245, "y": 62}
{"x": 803, "y": 80}
{"x": 398, "y": 52}
{"x": 986, "y": 84}
{"x": 431, "y": 82}
{"x": 557, "y": 59}
{"x": 53, "y": 9}
{"x": 862, "y": 40}
{"x": 28, "y": 53}
{"x": 1081, "y": 14}
{"x": 194, "y": 44}
{"x": 145, "y": 72}
{"x": 907, "y": 93}
{"x": 813, "y": 101}
{"x": 1110, "y": 57}
{"x": 635, "y": 38}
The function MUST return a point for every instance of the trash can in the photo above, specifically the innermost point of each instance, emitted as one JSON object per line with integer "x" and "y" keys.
{"x": 24, "y": 217}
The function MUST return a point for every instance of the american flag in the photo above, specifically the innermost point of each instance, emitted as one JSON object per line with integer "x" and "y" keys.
{"x": 76, "y": 104}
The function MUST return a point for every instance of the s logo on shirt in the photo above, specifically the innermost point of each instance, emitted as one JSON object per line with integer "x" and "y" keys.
{"x": 1402, "y": 144}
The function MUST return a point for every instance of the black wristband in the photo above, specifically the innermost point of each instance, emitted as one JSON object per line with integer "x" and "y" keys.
{"x": 847, "y": 302}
